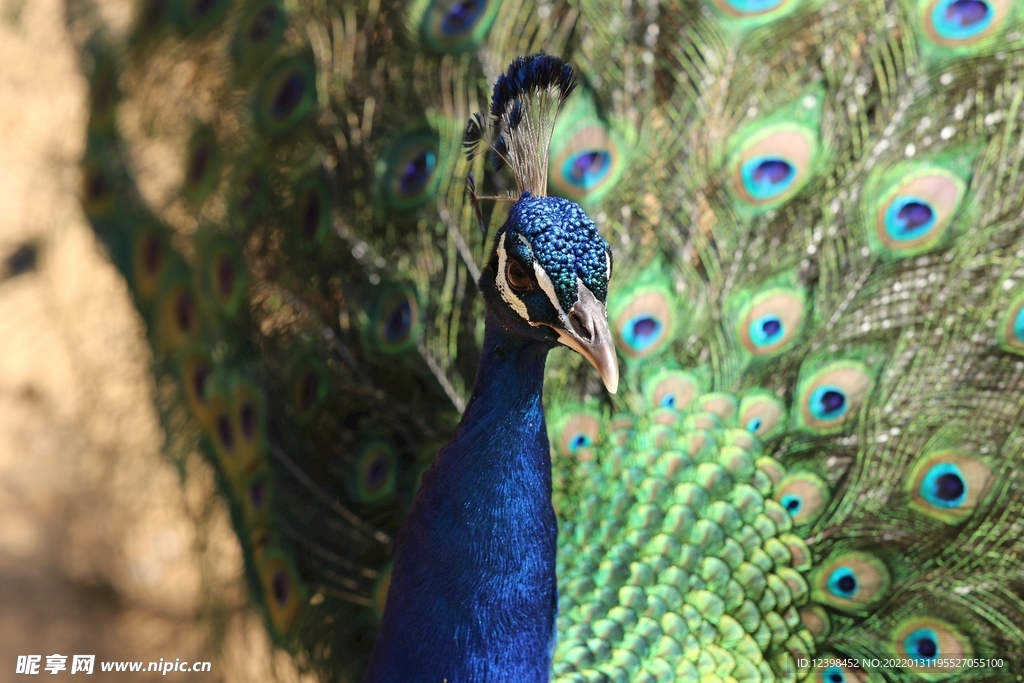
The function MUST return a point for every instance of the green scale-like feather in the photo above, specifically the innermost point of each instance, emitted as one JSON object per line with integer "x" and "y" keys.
{"x": 316, "y": 328}
{"x": 677, "y": 561}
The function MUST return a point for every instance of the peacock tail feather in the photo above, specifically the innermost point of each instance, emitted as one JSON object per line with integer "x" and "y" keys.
{"x": 815, "y": 211}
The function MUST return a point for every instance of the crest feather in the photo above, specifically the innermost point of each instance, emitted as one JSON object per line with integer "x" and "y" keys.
{"x": 523, "y": 109}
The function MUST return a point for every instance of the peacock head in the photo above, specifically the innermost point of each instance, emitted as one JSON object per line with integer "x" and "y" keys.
{"x": 547, "y": 276}
{"x": 547, "y": 279}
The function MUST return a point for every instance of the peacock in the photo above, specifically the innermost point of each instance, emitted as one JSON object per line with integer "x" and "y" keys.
{"x": 743, "y": 280}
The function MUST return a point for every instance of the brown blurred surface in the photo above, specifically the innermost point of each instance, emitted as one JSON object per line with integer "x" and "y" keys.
{"x": 105, "y": 548}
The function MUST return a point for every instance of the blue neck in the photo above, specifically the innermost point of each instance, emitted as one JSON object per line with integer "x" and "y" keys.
{"x": 473, "y": 595}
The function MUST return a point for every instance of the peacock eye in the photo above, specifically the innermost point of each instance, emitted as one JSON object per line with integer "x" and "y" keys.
{"x": 517, "y": 278}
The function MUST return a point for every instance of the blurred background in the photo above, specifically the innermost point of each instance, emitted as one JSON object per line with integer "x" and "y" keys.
{"x": 107, "y": 546}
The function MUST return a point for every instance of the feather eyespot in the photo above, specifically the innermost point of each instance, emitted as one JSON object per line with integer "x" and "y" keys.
{"x": 645, "y": 316}
{"x": 671, "y": 389}
{"x": 831, "y": 396}
{"x": 916, "y": 214}
{"x": 944, "y": 485}
{"x": 149, "y": 259}
{"x": 457, "y": 25}
{"x": 257, "y": 495}
{"x": 922, "y": 645}
{"x": 216, "y": 418}
{"x": 766, "y": 330}
{"x": 587, "y": 168}
{"x": 196, "y": 372}
{"x": 578, "y": 441}
{"x": 281, "y": 587}
{"x": 225, "y": 432}
{"x": 1018, "y": 325}
{"x": 588, "y": 154}
{"x": 642, "y": 327}
{"x": 202, "y": 167}
{"x": 577, "y": 434}
{"x": 416, "y": 172}
{"x": 286, "y": 96}
{"x": 248, "y": 420}
{"x": 396, "y": 326}
{"x": 375, "y": 473}
{"x": 179, "y": 318}
{"x": 851, "y": 582}
{"x": 641, "y": 331}
{"x": 258, "y": 492}
{"x": 309, "y": 391}
{"x": 772, "y": 164}
{"x": 833, "y": 674}
{"x": 771, "y": 321}
{"x": 955, "y": 23}
{"x": 761, "y": 412}
{"x": 184, "y": 311}
{"x": 932, "y": 645}
{"x": 767, "y": 176}
{"x": 412, "y": 167}
{"x": 843, "y": 583}
{"x": 260, "y": 30}
{"x": 584, "y": 165}
{"x": 517, "y": 277}
{"x": 461, "y": 15}
{"x": 397, "y": 322}
{"x": 247, "y": 426}
{"x": 283, "y": 591}
{"x": 948, "y": 485}
{"x": 225, "y": 279}
{"x": 828, "y": 402}
{"x": 804, "y": 496}
{"x": 312, "y": 211}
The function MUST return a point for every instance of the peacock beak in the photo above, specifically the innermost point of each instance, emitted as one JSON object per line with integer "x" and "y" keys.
{"x": 588, "y": 334}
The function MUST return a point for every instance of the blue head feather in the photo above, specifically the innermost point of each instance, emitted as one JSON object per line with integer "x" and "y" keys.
{"x": 564, "y": 241}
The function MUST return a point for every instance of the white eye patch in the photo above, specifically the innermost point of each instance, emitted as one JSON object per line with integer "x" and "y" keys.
{"x": 543, "y": 280}
{"x": 502, "y": 282}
